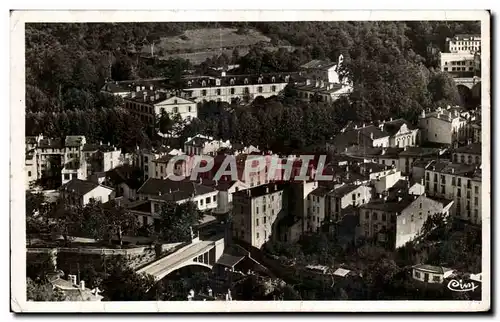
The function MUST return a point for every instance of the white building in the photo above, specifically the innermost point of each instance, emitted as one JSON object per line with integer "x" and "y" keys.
{"x": 458, "y": 64}
{"x": 204, "y": 145}
{"x": 444, "y": 126}
{"x": 187, "y": 109}
{"x": 78, "y": 192}
{"x": 458, "y": 182}
{"x": 464, "y": 43}
{"x": 431, "y": 274}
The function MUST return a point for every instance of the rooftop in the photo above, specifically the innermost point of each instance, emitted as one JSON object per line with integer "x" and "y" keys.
{"x": 80, "y": 187}
{"x": 261, "y": 190}
{"x": 420, "y": 151}
{"x": 169, "y": 190}
{"x": 125, "y": 174}
{"x": 395, "y": 206}
{"x": 345, "y": 189}
{"x": 97, "y": 147}
{"x": 474, "y": 148}
{"x": 317, "y": 63}
{"x": 236, "y": 80}
{"x": 466, "y": 170}
{"x": 431, "y": 268}
{"x": 229, "y": 260}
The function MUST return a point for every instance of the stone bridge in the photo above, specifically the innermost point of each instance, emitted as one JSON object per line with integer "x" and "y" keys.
{"x": 199, "y": 252}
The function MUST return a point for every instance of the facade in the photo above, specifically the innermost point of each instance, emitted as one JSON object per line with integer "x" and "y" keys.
{"x": 255, "y": 212}
{"x": 444, "y": 126}
{"x": 410, "y": 221}
{"x": 101, "y": 158}
{"x": 458, "y": 182}
{"x": 321, "y": 91}
{"x": 231, "y": 88}
{"x": 204, "y": 145}
{"x": 469, "y": 154}
{"x": 148, "y": 105}
{"x": 160, "y": 167}
{"x": 146, "y": 157}
{"x": 430, "y": 274}
{"x": 464, "y": 43}
{"x": 78, "y": 192}
{"x": 458, "y": 64}
{"x": 226, "y": 191}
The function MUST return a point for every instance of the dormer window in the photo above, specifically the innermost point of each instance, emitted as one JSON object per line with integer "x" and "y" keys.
{"x": 175, "y": 101}
{"x": 260, "y": 80}
{"x": 231, "y": 81}
{"x": 287, "y": 77}
{"x": 217, "y": 82}
{"x": 204, "y": 83}
{"x": 273, "y": 79}
{"x": 246, "y": 81}
{"x": 189, "y": 83}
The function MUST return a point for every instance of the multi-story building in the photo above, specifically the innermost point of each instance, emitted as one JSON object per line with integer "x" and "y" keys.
{"x": 255, "y": 212}
{"x": 459, "y": 64}
{"x": 321, "y": 91}
{"x": 101, "y": 158}
{"x": 230, "y": 88}
{"x": 444, "y": 126}
{"x": 78, "y": 192}
{"x": 179, "y": 168}
{"x": 458, "y": 182}
{"x": 149, "y": 104}
{"x": 145, "y": 159}
{"x": 464, "y": 43}
{"x": 204, "y": 145}
{"x": 397, "y": 221}
{"x": 393, "y": 133}
{"x": 468, "y": 154}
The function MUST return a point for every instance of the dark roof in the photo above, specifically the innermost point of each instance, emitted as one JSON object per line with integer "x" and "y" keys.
{"x": 198, "y": 141}
{"x": 229, "y": 260}
{"x": 241, "y": 80}
{"x": 80, "y": 187}
{"x": 443, "y": 201}
{"x": 345, "y": 189}
{"x": 372, "y": 167}
{"x": 392, "y": 127}
{"x": 116, "y": 88}
{"x": 474, "y": 148}
{"x": 321, "y": 191}
{"x": 51, "y": 143}
{"x": 329, "y": 88}
{"x": 429, "y": 268}
{"x": 166, "y": 189}
{"x": 452, "y": 168}
{"x": 74, "y": 140}
{"x": 388, "y": 206}
{"x": 317, "y": 63}
{"x": 419, "y": 151}
{"x": 261, "y": 190}
{"x": 97, "y": 147}
{"x": 421, "y": 163}
{"x": 125, "y": 174}
{"x": 147, "y": 96}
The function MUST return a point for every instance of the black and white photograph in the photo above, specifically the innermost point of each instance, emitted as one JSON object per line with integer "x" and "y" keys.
{"x": 275, "y": 162}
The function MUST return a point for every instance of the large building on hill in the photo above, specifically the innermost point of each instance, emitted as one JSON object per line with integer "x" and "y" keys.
{"x": 463, "y": 43}
{"x": 443, "y": 126}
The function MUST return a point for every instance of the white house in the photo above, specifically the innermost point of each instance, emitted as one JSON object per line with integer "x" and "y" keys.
{"x": 204, "y": 145}
{"x": 186, "y": 108}
{"x": 78, "y": 192}
{"x": 430, "y": 274}
{"x": 444, "y": 126}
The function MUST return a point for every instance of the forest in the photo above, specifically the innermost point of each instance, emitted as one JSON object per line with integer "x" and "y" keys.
{"x": 392, "y": 65}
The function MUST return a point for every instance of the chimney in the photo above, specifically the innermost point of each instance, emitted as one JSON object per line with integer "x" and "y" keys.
{"x": 249, "y": 193}
{"x": 355, "y": 126}
{"x": 391, "y": 119}
{"x": 308, "y": 82}
{"x": 159, "y": 193}
{"x": 452, "y": 170}
{"x": 399, "y": 199}
{"x": 150, "y": 87}
{"x": 137, "y": 88}
{"x": 82, "y": 285}
{"x": 267, "y": 189}
{"x": 143, "y": 87}
{"x": 423, "y": 113}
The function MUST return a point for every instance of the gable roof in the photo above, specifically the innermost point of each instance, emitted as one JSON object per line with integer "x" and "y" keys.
{"x": 392, "y": 127}
{"x": 171, "y": 101}
{"x": 80, "y": 187}
{"x": 166, "y": 189}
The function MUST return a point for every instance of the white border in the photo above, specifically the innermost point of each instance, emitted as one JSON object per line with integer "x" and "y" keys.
{"x": 17, "y": 104}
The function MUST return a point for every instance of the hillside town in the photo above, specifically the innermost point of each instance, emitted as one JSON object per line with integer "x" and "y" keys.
{"x": 361, "y": 208}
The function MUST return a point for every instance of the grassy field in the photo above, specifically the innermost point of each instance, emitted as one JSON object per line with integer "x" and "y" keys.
{"x": 203, "y": 39}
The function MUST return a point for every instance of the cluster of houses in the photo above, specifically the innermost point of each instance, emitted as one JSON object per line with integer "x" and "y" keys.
{"x": 149, "y": 98}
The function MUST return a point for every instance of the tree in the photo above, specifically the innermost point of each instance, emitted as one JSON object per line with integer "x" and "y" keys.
{"x": 122, "y": 283}
{"x": 105, "y": 221}
{"x": 177, "y": 220}
{"x": 42, "y": 292}
{"x": 37, "y": 211}
{"x": 443, "y": 90}
{"x": 65, "y": 220}
{"x": 122, "y": 69}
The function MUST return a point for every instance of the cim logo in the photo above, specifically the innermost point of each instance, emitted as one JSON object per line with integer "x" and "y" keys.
{"x": 461, "y": 286}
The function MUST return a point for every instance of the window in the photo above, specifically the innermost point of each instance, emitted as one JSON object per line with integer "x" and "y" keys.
{"x": 384, "y": 217}
{"x": 453, "y": 181}
{"x": 375, "y": 216}
{"x": 476, "y": 201}
{"x": 66, "y": 176}
{"x": 367, "y": 215}
{"x": 257, "y": 210}
{"x": 207, "y": 200}
{"x": 218, "y": 91}
{"x": 443, "y": 190}
{"x": 443, "y": 179}
{"x": 204, "y": 92}
{"x": 435, "y": 177}
{"x": 417, "y": 274}
{"x": 257, "y": 222}
{"x": 273, "y": 88}
{"x": 29, "y": 173}
{"x": 353, "y": 196}
{"x": 201, "y": 202}
{"x": 189, "y": 108}
{"x": 156, "y": 207}
{"x": 459, "y": 182}
{"x": 462, "y": 158}
{"x": 427, "y": 176}
{"x": 259, "y": 89}
{"x": 476, "y": 190}
{"x": 246, "y": 90}
{"x": 265, "y": 220}
{"x": 412, "y": 218}
{"x": 459, "y": 192}
{"x": 175, "y": 109}
{"x": 264, "y": 208}
{"x": 257, "y": 235}
{"x": 436, "y": 278}
{"x": 214, "y": 198}
{"x": 420, "y": 215}
{"x": 232, "y": 91}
